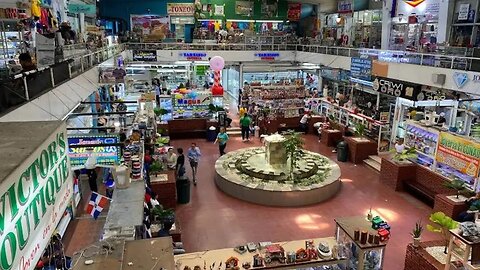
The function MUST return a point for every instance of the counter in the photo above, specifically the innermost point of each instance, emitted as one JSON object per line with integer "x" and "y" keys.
{"x": 330, "y": 137}
{"x": 164, "y": 186}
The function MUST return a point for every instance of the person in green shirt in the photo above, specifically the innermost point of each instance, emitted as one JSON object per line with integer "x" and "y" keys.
{"x": 222, "y": 139}
{"x": 245, "y": 122}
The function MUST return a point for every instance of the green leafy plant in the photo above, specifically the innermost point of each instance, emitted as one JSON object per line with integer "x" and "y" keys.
{"x": 360, "y": 130}
{"x": 160, "y": 111}
{"x": 156, "y": 167}
{"x": 161, "y": 141}
{"x": 457, "y": 185}
{"x": 293, "y": 146}
{"x": 406, "y": 154}
{"x": 163, "y": 215}
{"x": 442, "y": 224}
{"x": 417, "y": 230}
{"x": 213, "y": 109}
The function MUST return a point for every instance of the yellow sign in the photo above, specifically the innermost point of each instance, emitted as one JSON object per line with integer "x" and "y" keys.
{"x": 458, "y": 153}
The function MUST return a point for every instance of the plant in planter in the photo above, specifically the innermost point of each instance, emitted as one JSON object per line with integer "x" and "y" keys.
{"x": 442, "y": 224}
{"x": 360, "y": 130}
{"x": 457, "y": 185}
{"x": 293, "y": 147}
{"x": 405, "y": 155}
{"x": 160, "y": 111}
{"x": 417, "y": 233}
{"x": 163, "y": 215}
{"x": 156, "y": 167}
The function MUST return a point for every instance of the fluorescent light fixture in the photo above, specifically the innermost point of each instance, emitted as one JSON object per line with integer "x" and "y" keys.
{"x": 240, "y": 20}
{"x": 267, "y": 21}
{"x": 183, "y": 63}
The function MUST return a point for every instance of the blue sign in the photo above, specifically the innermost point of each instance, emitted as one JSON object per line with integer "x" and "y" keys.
{"x": 106, "y": 155}
{"x": 267, "y": 56}
{"x": 193, "y": 55}
{"x": 361, "y": 68}
{"x": 460, "y": 78}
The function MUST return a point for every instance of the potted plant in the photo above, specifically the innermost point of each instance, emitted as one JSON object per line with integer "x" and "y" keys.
{"x": 417, "y": 233}
{"x": 442, "y": 224}
{"x": 360, "y": 130}
{"x": 156, "y": 167}
{"x": 457, "y": 185}
{"x": 163, "y": 215}
{"x": 405, "y": 155}
{"x": 293, "y": 147}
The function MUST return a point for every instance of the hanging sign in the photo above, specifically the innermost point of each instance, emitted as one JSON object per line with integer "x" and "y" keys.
{"x": 463, "y": 12}
{"x": 397, "y": 88}
{"x": 361, "y": 68}
{"x": 145, "y": 56}
{"x": 106, "y": 155}
{"x": 82, "y": 8}
{"x": 34, "y": 199}
{"x": 344, "y": 6}
{"x": 458, "y": 153}
{"x": 180, "y": 9}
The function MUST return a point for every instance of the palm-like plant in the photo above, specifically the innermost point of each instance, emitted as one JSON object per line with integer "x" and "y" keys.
{"x": 360, "y": 129}
{"x": 293, "y": 145}
{"x": 417, "y": 230}
{"x": 457, "y": 185}
{"x": 442, "y": 224}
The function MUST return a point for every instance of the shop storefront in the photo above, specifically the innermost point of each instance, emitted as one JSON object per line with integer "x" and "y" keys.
{"x": 465, "y": 31}
{"x": 39, "y": 189}
{"x": 182, "y": 20}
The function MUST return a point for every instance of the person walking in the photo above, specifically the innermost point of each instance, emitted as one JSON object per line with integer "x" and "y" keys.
{"x": 180, "y": 165}
{"x": 245, "y": 122}
{"x": 194, "y": 155}
{"x": 222, "y": 139}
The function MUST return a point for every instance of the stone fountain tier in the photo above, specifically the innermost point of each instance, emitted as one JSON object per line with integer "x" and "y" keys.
{"x": 275, "y": 153}
{"x": 245, "y": 174}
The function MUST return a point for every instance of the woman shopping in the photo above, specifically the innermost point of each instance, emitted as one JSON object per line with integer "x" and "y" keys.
{"x": 222, "y": 139}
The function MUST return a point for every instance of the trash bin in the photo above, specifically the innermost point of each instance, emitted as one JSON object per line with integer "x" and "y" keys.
{"x": 211, "y": 134}
{"x": 183, "y": 190}
{"x": 342, "y": 151}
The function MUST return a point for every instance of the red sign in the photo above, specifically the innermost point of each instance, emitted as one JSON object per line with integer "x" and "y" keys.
{"x": 180, "y": 9}
{"x": 294, "y": 11}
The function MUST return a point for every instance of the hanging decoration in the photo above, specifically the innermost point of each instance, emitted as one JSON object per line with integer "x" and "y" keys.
{"x": 217, "y": 63}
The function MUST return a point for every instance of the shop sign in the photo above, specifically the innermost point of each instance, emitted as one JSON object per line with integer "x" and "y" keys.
{"x": 476, "y": 78}
{"x": 82, "y": 8}
{"x": 33, "y": 201}
{"x": 145, "y": 56}
{"x": 361, "y": 68}
{"x": 463, "y": 12}
{"x": 458, "y": 153}
{"x": 397, "y": 88}
{"x": 294, "y": 11}
{"x": 193, "y": 56}
{"x": 106, "y": 155}
{"x": 180, "y": 9}
{"x": 267, "y": 56}
{"x": 460, "y": 79}
{"x": 198, "y": 99}
{"x": 344, "y": 6}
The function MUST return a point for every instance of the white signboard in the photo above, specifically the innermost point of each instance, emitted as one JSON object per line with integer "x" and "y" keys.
{"x": 180, "y": 9}
{"x": 463, "y": 12}
{"x": 33, "y": 200}
{"x": 45, "y": 48}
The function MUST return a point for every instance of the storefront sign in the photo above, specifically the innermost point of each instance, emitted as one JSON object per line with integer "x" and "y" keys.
{"x": 267, "y": 56}
{"x": 193, "y": 56}
{"x": 180, "y": 9}
{"x": 106, "y": 155}
{"x": 463, "y": 12}
{"x": 345, "y": 6}
{"x": 406, "y": 8}
{"x": 458, "y": 153}
{"x": 294, "y": 11}
{"x": 460, "y": 79}
{"x": 145, "y": 56}
{"x": 476, "y": 78}
{"x": 361, "y": 68}
{"x": 82, "y": 8}
{"x": 34, "y": 198}
{"x": 397, "y": 88}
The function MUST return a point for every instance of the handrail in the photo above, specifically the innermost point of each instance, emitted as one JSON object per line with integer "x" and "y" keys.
{"x": 391, "y": 56}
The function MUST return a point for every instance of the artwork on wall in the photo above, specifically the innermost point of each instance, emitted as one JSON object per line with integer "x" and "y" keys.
{"x": 244, "y": 8}
{"x": 269, "y": 9}
{"x": 219, "y": 10}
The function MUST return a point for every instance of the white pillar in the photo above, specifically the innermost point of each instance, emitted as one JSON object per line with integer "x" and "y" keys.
{"x": 81, "y": 26}
{"x": 445, "y": 14}
{"x": 386, "y": 23}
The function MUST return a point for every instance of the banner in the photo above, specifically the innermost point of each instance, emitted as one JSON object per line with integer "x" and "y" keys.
{"x": 361, "y": 68}
{"x": 458, "y": 153}
{"x": 106, "y": 155}
{"x": 145, "y": 56}
{"x": 180, "y": 9}
{"x": 294, "y": 11}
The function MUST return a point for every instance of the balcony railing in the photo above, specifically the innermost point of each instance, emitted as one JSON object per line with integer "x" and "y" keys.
{"x": 423, "y": 59}
{"x": 22, "y": 87}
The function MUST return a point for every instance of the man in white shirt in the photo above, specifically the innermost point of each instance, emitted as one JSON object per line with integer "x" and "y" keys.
{"x": 304, "y": 122}
{"x": 91, "y": 165}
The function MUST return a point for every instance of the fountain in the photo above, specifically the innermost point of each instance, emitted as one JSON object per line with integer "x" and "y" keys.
{"x": 263, "y": 175}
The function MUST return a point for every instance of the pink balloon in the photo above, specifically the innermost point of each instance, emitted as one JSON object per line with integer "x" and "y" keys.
{"x": 217, "y": 63}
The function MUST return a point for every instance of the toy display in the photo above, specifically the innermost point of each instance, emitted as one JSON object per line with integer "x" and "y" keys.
{"x": 232, "y": 264}
{"x": 257, "y": 261}
{"x": 251, "y": 247}
{"x": 301, "y": 255}
{"x": 324, "y": 250}
{"x": 291, "y": 257}
{"x": 274, "y": 252}
{"x": 240, "y": 249}
{"x": 311, "y": 250}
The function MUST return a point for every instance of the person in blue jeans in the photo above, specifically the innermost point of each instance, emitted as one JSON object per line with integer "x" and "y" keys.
{"x": 222, "y": 139}
{"x": 194, "y": 155}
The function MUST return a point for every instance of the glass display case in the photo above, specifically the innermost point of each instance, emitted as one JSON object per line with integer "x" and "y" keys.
{"x": 424, "y": 140}
{"x": 166, "y": 103}
{"x": 359, "y": 255}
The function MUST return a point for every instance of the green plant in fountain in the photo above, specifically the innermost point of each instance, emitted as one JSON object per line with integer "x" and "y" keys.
{"x": 442, "y": 224}
{"x": 360, "y": 130}
{"x": 457, "y": 185}
{"x": 405, "y": 155}
{"x": 293, "y": 147}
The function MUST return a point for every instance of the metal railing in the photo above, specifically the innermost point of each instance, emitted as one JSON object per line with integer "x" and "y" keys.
{"x": 23, "y": 87}
{"x": 423, "y": 59}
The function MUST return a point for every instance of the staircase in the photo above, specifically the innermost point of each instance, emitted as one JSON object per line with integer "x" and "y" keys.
{"x": 234, "y": 131}
{"x": 374, "y": 162}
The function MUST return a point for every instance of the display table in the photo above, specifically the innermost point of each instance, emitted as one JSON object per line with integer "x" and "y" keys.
{"x": 360, "y": 148}
{"x": 330, "y": 137}
{"x": 209, "y": 257}
{"x": 164, "y": 186}
{"x": 346, "y": 227}
{"x": 451, "y": 208}
{"x": 417, "y": 258}
{"x": 465, "y": 250}
{"x": 187, "y": 128}
{"x": 394, "y": 174}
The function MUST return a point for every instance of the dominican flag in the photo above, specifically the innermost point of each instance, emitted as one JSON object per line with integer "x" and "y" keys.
{"x": 96, "y": 204}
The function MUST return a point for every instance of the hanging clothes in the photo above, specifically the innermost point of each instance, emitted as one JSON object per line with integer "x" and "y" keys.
{"x": 36, "y": 9}
{"x": 217, "y": 25}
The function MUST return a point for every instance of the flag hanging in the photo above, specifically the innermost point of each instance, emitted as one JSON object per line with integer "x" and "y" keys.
{"x": 96, "y": 204}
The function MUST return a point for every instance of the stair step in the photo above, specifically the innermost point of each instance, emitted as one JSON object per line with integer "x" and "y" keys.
{"x": 234, "y": 133}
{"x": 234, "y": 129}
{"x": 373, "y": 164}
{"x": 378, "y": 159}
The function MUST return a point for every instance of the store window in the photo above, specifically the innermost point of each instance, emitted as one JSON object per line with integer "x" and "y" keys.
{"x": 465, "y": 30}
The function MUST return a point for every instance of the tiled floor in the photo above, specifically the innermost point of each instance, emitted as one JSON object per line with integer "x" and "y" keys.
{"x": 214, "y": 220}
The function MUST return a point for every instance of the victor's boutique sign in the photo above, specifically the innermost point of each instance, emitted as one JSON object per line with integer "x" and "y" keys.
{"x": 397, "y": 88}
{"x": 33, "y": 200}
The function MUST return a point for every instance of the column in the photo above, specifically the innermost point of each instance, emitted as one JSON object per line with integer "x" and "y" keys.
{"x": 81, "y": 26}
{"x": 445, "y": 14}
{"x": 240, "y": 75}
{"x": 386, "y": 23}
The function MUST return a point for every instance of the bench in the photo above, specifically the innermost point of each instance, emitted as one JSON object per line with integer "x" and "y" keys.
{"x": 423, "y": 193}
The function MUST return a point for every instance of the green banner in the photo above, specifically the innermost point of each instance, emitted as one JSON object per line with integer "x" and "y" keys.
{"x": 80, "y": 8}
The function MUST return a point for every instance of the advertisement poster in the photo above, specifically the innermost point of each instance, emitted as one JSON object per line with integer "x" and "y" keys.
{"x": 458, "y": 153}
{"x": 269, "y": 9}
{"x": 294, "y": 11}
{"x": 361, "y": 68}
{"x": 106, "y": 155}
{"x": 145, "y": 56}
{"x": 244, "y": 8}
{"x": 148, "y": 24}
{"x": 463, "y": 12}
